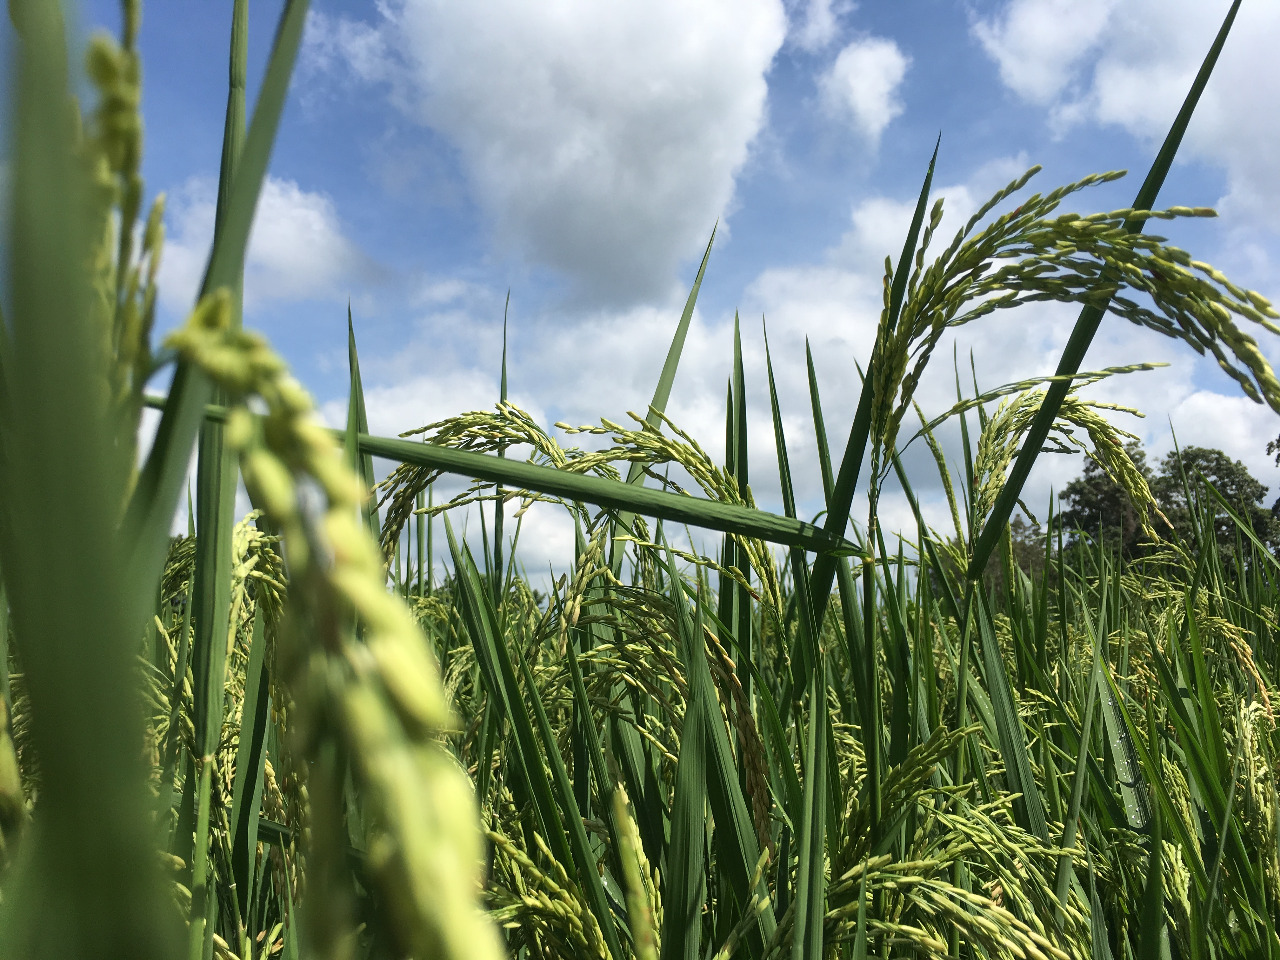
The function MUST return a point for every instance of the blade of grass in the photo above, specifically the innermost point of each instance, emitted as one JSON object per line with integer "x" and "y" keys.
{"x": 216, "y": 475}
{"x": 1220, "y": 846}
{"x": 898, "y": 657}
{"x": 811, "y": 902}
{"x": 1151, "y": 925}
{"x": 159, "y": 484}
{"x": 88, "y": 884}
{"x": 596, "y": 757}
{"x": 841, "y": 499}
{"x": 844, "y": 575}
{"x": 781, "y": 768}
{"x": 684, "y": 888}
{"x": 860, "y": 930}
{"x": 662, "y": 392}
{"x": 1159, "y": 793}
{"x": 1206, "y": 771}
{"x": 588, "y": 871}
{"x": 1089, "y": 320}
{"x": 1097, "y": 924}
{"x": 804, "y": 651}
{"x": 737, "y": 847}
{"x": 500, "y": 680}
{"x": 181, "y": 665}
{"x": 565, "y": 836}
{"x": 735, "y": 599}
{"x": 358, "y": 423}
{"x": 1137, "y": 810}
{"x": 609, "y": 494}
{"x": 251, "y": 756}
{"x": 640, "y": 777}
{"x": 1029, "y": 807}
{"x": 1071, "y": 823}
{"x": 498, "y": 504}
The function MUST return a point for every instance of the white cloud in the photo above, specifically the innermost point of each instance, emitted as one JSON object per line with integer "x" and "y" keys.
{"x": 297, "y": 250}
{"x": 413, "y": 402}
{"x": 863, "y": 82}
{"x": 1233, "y": 424}
{"x": 330, "y": 43}
{"x": 1136, "y": 72}
{"x": 1039, "y": 43}
{"x": 602, "y": 139}
{"x": 816, "y": 24}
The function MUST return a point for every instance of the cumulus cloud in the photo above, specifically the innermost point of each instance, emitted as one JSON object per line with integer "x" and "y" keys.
{"x": 1233, "y": 424}
{"x": 1039, "y": 43}
{"x": 601, "y": 139}
{"x": 863, "y": 83}
{"x": 1131, "y": 65}
{"x": 815, "y": 24}
{"x": 297, "y": 250}
{"x": 338, "y": 43}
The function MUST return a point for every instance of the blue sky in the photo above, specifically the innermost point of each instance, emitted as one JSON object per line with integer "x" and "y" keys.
{"x": 434, "y": 155}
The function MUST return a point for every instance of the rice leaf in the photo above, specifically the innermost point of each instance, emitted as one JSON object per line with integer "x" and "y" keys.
{"x": 1152, "y": 944}
{"x": 1090, "y": 318}
{"x": 811, "y": 901}
{"x": 87, "y": 885}
{"x": 156, "y": 493}
{"x": 685, "y": 877}
{"x": 737, "y": 847}
{"x": 1029, "y": 807}
{"x": 841, "y": 498}
{"x": 358, "y": 423}
{"x": 735, "y": 598}
{"x": 805, "y": 652}
{"x": 251, "y": 756}
{"x": 666, "y": 380}
{"x": 216, "y": 473}
{"x": 1071, "y": 823}
{"x": 627, "y": 499}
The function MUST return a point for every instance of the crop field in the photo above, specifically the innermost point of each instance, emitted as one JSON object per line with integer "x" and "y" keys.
{"x": 288, "y": 735}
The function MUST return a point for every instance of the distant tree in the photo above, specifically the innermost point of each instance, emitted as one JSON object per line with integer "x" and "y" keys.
{"x": 1273, "y": 447}
{"x": 1026, "y": 550}
{"x": 1026, "y": 541}
{"x": 1097, "y": 505}
{"x": 1231, "y": 478}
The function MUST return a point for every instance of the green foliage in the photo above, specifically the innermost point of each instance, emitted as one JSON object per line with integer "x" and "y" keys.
{"x": 1179, "y": 488}
{"x": 1097, "y": 505}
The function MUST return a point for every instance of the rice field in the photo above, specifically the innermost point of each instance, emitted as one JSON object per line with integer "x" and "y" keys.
{"x": 284, "y": 735}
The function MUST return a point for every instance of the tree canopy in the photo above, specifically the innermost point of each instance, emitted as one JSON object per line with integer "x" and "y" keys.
{"x": 1096, "y": 505}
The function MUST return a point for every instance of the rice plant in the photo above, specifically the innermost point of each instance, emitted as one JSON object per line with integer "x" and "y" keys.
{"x": 280, "y": 735}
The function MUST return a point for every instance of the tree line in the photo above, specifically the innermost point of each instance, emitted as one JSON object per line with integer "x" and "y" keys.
{"x": 1095, "y": 507}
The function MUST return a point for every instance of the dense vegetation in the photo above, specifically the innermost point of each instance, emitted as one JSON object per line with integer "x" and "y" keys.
{"x": 283, "y": 737}
{"x": 1096, "y": 504}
